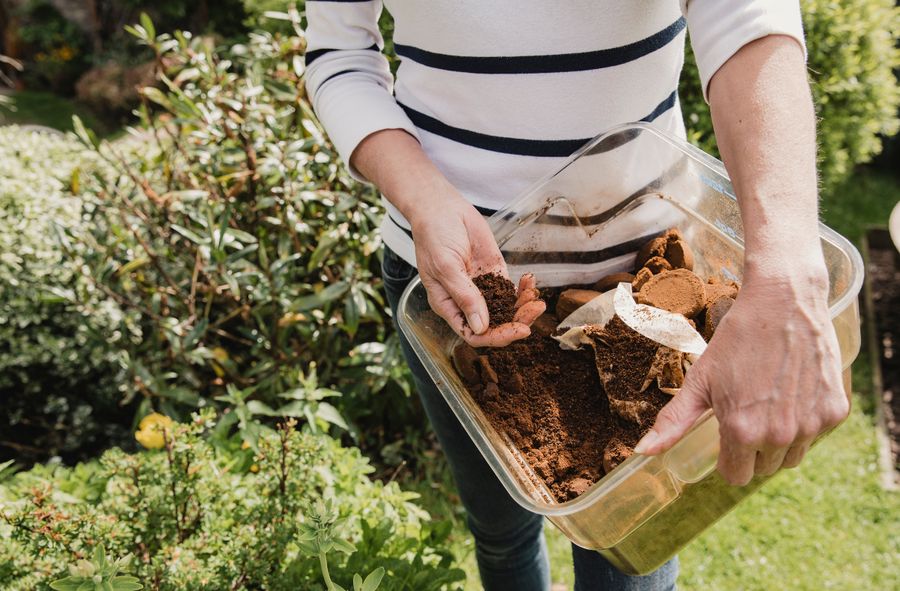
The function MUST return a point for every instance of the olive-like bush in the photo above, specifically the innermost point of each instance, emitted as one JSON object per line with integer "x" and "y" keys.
{"x": 206, "y": 514}
{"x": 58, "y": 367}
{"x": 853, "y": 55}
{"x": 238, "y": 247}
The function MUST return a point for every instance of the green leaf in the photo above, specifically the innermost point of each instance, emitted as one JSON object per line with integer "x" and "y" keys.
{"x": 67, "y": 584}
{"x": 147, "y": 23}
{"x": 190, "y": 234}
{"x": 344, "y": 546}
{"x": 357, "y": 582}
{"x": 132, "y": 265}
{"x": 126, "y": 583}
{"x": 261, "y": 408}
{"x": 330, "y": 414}
{"x": 157, "y": 96}
{"x": 100, "y": 556}
{"x": 322, "y": 249}
{"x": 241, "y": 236}
{"x": 86, "y": 136}
{"x": 318, "y": 300}
{"x": 374, "y": 579}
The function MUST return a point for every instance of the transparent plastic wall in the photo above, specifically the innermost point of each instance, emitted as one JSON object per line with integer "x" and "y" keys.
{"x": 583, "y": 222}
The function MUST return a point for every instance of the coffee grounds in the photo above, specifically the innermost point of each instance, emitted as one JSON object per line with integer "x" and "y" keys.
{"x": 574, "y": 415}
{"x": 500, "y": 296}
{"x": 623, "y": 359}
{"x": 676, "y": 291}
{"x": 551, "y": 405}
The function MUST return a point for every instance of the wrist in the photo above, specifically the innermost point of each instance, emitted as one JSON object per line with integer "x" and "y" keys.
{"x": 803, "y": 276}
{"x": 428, "y": 203}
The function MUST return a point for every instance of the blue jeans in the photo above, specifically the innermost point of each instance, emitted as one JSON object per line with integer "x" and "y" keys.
{"x": 509, "y": 540}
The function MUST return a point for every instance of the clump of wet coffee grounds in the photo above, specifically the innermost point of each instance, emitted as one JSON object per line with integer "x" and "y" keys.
{"x": 666, "y": 252}
{"x": 500, "y": 296}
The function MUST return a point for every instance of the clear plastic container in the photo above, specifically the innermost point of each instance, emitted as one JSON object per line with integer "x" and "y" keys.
{"x": 624, "y": 187}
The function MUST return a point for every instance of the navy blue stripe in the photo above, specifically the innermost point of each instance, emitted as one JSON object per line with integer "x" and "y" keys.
{"x": 514, "y": 257}
{"x": 517, "y": 146}
{"x": 662, "y": 107}
{"x": 312, "y": 56}
{"x": 542, "y": 64}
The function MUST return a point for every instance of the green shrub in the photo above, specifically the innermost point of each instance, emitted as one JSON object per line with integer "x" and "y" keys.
{"x": 852, "y": 57}
{"x": 58, "y": 372}
{"x": 239, "y": 247}
{"x": 205, "y": 513}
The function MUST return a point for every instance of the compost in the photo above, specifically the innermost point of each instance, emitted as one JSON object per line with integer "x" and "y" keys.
{"x": 577, "y": 415}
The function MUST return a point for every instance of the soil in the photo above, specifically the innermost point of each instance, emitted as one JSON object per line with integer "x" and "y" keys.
{"x": 500, "y": 295}
{"x": 576, "y": 415}
{"x": 884, "y": 275}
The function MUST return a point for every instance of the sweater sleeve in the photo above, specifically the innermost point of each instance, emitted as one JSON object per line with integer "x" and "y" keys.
{"x": 718, "y": 29}
{"x": 347, "y": 77}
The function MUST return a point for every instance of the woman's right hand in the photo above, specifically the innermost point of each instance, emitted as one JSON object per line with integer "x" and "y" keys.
{"x": 453, "y": 241}
{"x": 454, "y": 244}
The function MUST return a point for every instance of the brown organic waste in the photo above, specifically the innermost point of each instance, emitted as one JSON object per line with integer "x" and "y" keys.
{"x": 576, "y": 415}
{"x": 500, "y": 295}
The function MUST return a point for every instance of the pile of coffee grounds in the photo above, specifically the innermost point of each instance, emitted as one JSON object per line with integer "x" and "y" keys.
{"x": 500, "y": 295}
{"x": 623, "y": 357}
{"x": 550, "y": 404}
{"x": 576, "y": 415}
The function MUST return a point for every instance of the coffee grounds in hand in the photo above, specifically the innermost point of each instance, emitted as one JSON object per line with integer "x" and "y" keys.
{"x": 500, "y": 296}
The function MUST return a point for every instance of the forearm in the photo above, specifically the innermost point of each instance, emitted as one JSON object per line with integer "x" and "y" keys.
{"x": 765, "y": 127}
{"x": 394, "y": 161}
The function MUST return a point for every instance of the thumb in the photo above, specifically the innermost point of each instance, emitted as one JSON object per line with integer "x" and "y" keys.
{"x": 675, "y": 418}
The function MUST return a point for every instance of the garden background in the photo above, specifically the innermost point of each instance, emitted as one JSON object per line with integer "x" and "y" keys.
{"x": 200, "y": 386}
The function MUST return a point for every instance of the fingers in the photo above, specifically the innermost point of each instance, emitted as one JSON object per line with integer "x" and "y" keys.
{"x": 444, "y": 306}
{"x": 528, "y": 313}
{"x": 795, "y": 454}
{"x": 468, "y": 300}
{"x": 675, "y": 419}
{"x": 736, "y": 462}
{"x": 499, "y": 336}
{"x": 527, "y": 290}
{"x": 768, "y": 461}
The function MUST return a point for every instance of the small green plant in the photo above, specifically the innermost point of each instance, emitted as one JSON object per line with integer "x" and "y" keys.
{"x": 207, "y": 512}
{"x": 317, "y": 536}
{"x": 98, "y": 574}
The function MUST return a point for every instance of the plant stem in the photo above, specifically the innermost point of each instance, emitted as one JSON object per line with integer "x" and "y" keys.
{"x": 323, "y": 562}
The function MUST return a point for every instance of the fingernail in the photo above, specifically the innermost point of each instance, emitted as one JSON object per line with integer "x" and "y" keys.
{"x": 649, "y": 440}
{"x": 476, "y": 323}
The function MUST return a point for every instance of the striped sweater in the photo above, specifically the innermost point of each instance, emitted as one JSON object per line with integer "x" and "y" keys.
{"x": 499, "y": 92}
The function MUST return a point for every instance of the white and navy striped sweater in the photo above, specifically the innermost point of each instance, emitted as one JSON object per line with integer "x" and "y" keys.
{"x": 499, "y": 92}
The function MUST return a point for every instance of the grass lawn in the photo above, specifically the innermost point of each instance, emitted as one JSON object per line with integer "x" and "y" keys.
{"x": 45, "y": 108}
{"x": 826, "y": 525}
